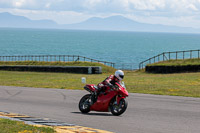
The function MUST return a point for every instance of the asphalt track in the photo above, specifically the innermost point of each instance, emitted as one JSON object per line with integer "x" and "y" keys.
{"x": 145, "y": 113}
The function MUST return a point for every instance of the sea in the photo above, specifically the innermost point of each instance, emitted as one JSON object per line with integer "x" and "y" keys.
{"x": 120, "y": 47}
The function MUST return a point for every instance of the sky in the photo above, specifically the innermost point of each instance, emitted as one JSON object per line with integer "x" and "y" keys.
{"x": 185, "y": 13}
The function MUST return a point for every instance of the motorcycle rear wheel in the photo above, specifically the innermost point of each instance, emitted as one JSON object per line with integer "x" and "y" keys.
{"x": 84, "y": 104}
{"x": 118, "y": 109}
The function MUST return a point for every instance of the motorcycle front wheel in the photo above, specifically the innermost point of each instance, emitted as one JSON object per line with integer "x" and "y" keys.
{"x": 84, "y": 103}
{"x": 118, "y": 109}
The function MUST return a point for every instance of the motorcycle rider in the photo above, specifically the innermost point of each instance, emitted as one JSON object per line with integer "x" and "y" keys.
{"x": 111, "y": 80}
{"x": 108, "y": 82}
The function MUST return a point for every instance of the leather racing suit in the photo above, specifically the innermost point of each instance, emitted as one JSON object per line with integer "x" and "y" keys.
{"x": 109, "y": 81}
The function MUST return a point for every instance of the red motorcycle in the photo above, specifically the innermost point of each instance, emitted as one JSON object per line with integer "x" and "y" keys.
{"x": 111, "y": 100}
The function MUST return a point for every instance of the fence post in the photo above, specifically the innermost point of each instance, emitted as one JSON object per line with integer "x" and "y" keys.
{"x": 198, "y": 54}
{"x": 183, "y": 55}
{"x": 191, "y": 54}
{"x": 141, "y": 65}
{"x": 163, "y": 56}
{"x": 169, "y": 55}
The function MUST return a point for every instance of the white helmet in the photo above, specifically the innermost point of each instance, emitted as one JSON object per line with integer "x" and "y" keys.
{"x": 119, "y": 74}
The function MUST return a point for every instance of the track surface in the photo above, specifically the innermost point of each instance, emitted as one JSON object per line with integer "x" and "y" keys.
{"x": 145, "y": 113}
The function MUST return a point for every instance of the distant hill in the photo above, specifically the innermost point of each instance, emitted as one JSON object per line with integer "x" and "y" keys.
{"x": 9, "y": 20}
{"x": 113, "y": 23}
{"x": 120, "y": 23}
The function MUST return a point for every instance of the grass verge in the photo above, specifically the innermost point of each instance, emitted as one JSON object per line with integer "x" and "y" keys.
{"x": 9, "y": 126}
{"x": 105, "y": 69}
{"x": 177, "y": 62}
{"x": 181, "y": 84}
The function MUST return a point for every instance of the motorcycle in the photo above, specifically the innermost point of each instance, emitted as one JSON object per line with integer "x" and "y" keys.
{"x": 111, "y": 100}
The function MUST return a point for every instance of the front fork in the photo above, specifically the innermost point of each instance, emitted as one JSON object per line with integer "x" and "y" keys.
{"x": 116, "y": 100}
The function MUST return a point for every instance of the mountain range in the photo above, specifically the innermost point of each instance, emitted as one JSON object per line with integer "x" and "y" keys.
{"x": 113, "y": 23}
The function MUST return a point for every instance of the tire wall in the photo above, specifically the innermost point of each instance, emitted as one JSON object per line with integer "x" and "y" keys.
{"x": 172, "y": 69}
{"x": 66, "y": 69}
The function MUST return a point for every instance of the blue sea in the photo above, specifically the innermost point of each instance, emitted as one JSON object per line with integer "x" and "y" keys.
{"x": 128, "y": 48}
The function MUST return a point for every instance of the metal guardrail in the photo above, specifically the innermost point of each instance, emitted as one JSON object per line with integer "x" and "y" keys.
{"x": 53, "y": 58}
{"x": 189, "y": 54}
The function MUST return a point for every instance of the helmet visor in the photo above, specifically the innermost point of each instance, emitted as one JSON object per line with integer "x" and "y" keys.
{"x": 121, "y": 76}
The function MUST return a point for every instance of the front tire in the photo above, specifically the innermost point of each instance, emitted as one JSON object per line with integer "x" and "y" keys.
{"x": 118, "y": 109}
{"x": 84, "y": 103}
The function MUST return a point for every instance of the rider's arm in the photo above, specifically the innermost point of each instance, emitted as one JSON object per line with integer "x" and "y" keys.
{"x": 108, "y": 80}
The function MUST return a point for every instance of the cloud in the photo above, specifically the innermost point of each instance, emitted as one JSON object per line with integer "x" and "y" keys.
{"x": 193, "y": 7}
{"x": 141, "y": 10}
{"x": 146, "y": 4}
{"x": 100, "y": 6}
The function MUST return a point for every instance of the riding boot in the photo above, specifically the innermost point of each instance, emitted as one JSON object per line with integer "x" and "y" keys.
{"x": 95, "y": 95}
{"x": 93, "y": 98}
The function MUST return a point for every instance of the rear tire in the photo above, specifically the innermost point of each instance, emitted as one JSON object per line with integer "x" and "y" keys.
{"x": 118, "y": 109}
{"x": 84, "y": 104}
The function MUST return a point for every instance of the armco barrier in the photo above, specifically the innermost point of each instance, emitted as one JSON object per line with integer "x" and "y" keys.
{"x": 67, "y": 69}
{"x": 172, "y": 69}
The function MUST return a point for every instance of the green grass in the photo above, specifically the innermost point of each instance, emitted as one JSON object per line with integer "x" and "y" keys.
{"x": 9, "y": 126}
{"x": 105, "y": 68}
{"x": 177, "y": 62}
{"x": 181, "y": 84}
